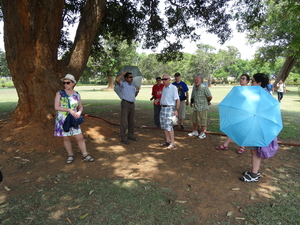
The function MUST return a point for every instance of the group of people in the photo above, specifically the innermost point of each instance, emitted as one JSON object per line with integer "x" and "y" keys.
{"x": 200, "y": 100}
{"x": 183, "y": 93}
{"x": 170, "y": 99}
{"x": 280, "y": 88}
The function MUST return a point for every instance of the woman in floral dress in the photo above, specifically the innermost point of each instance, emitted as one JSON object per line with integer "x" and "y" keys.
{"x": 62, "y": 107}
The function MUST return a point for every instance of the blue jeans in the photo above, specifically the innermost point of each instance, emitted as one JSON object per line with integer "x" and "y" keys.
{"x": 280, "y": 95}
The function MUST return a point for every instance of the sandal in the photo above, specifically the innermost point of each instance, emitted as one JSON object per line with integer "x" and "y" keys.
{"x": 88, "y": 158}
{"x": 248, "y": 172}
{"x": 241, "y": 150}
{"x": 171, "y": 147}
{"x": 249, "y": 178}
{"x": 222, "y": 147}
{"x": 164, "y": 144}
{"x": 70, "y": 159}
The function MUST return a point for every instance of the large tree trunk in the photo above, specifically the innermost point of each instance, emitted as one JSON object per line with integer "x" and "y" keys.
{"x": 209, "y": 80}
{"x": 286, "y": 68}
{"x": 31, "y": 35}
{"x": 110, "y": 82}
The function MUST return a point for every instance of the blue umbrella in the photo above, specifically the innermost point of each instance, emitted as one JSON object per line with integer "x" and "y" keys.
{"x": 250, "y": 116}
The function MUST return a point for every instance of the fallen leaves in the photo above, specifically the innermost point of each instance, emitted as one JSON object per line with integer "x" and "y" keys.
{"x": 84, "y": 216}
{"x": 235, "y": 189}
{"x": 7, "y": 188}
{"x": 181, "y": 202}
{"x": 75, "y": 207}
{"x": 229, "y": 213}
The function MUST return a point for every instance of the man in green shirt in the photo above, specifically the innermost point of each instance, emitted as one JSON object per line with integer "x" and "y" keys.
{"x": 200, "y": 100}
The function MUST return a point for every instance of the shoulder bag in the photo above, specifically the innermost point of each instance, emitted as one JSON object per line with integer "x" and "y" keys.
{"x": 268, "y": 151}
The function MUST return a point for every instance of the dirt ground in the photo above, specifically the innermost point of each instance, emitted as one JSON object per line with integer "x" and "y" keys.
{"x": 204, "y": 179}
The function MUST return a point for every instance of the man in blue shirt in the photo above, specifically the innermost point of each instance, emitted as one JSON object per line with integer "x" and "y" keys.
{"x": 183, "y": 92}
{"x": 129, "y": 92}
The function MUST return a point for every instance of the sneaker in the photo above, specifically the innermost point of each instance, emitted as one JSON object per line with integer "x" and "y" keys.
{"x": 202, "y": 135}
{"x": 249, "y": 177}
{"x": 194, "y": 133}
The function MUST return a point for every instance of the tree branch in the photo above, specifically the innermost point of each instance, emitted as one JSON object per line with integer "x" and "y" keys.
{"x": 92, "y": 15}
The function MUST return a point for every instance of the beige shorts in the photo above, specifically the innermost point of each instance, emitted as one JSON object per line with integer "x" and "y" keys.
{"x": 200, "y": 118}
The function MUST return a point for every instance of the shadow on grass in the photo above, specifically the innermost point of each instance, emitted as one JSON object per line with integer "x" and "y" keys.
{"x": 283, "y": 206}
{"x": 107, "y": 201}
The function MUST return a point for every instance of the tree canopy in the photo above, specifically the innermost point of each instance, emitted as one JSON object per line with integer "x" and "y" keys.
{"x": 276, "y": 25}
{"x": 38, "y": 50}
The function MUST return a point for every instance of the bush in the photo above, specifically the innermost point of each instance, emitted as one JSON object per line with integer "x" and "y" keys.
{"x": 6, "y": 82}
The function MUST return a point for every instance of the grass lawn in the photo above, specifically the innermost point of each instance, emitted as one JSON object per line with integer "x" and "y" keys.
{"x": 140, "y": 201}
{"x": 94, "y": 96}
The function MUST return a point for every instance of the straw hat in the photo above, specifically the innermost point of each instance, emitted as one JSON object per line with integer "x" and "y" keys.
{"x": 69, "y": 77}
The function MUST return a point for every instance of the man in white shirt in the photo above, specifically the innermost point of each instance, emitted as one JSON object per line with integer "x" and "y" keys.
{"x": 170, "y": 103}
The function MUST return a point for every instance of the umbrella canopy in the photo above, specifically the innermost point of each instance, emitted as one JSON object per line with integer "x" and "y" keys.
{"x": 137, "y": 78}
{"x": 250, "y": 116}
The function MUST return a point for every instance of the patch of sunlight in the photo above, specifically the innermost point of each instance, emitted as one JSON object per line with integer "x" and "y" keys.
{"x": 126, "y": 184}
{"x": 55, "y": 158}
{"x": 266, "y": 190}
{"x": 113, "y": 149}
{"x": 95, "y": 132}
{"x": 3, "y": 199}
{"x": 56, "y": 215}
{"x": 127, "y": 166}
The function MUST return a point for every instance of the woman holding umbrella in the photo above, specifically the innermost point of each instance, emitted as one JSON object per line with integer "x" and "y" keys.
{"x": 244, "y": 80}
{"x": 259, "y": 79}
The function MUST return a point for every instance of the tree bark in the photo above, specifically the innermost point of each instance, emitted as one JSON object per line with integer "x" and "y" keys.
{"x": 31, "y": 35}
{"x": 110, "y": 82}
{"x": 286, "y": 68}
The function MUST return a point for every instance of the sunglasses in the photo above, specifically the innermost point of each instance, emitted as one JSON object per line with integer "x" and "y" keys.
{"x": 130, "y": 77}
{"x": 68, "y": 82}
{"x": 165, "y": 79}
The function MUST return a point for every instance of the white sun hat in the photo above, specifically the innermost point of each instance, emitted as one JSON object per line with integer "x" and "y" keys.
{"x": 69, "y": 77}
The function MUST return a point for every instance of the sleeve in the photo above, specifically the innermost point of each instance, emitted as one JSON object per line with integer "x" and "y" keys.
{"x": 207, "y": 92}
{"x": 176, "y": 96}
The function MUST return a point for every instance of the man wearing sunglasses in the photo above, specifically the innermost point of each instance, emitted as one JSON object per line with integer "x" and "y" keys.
{"x": 128, "y": 92}
{"x": 170, "y": 103}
